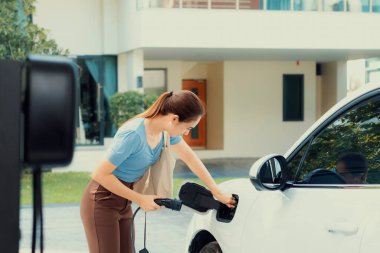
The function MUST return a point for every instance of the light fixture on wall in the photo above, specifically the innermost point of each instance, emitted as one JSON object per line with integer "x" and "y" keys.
{"x": 139, "y": 81}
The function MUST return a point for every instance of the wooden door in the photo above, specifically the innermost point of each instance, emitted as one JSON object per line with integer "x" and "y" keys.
{"x": 197, "y": 137}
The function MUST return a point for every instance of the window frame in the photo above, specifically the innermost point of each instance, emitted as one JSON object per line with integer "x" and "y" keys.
{"x": 309, "y": 139}
{"x": 165, "y": 71}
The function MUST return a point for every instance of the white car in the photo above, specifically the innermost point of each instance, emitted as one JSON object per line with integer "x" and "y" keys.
{"x": 323, "y": 195}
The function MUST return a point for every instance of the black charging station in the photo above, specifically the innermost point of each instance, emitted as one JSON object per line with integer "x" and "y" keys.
{"x": 10, "y": 152}
{"x": 50, "y": 110}
{"x": 37, "y": 129}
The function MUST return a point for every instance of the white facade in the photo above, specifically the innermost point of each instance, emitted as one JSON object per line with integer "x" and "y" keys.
{"x": 243, "y": 55}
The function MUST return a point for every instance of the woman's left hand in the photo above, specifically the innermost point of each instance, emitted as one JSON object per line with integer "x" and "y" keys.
{"x": 226, "y": 199}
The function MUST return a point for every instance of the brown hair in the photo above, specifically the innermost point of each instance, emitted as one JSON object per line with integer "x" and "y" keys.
{"x": 183, "y": 103}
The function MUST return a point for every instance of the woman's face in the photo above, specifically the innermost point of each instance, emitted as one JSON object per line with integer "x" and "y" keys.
{"x": 182, "y": 128}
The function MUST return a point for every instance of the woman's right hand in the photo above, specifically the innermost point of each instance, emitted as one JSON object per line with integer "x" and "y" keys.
{"x": 146, "y": 202}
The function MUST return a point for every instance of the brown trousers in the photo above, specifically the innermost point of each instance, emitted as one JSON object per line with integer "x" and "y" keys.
{"x": 106, "y": 219}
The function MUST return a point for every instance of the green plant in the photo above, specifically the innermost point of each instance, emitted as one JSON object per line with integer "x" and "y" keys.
{"x": 19, "y": 36}
{"x": 149, "y": 99}
{"x": 126, "y": 105}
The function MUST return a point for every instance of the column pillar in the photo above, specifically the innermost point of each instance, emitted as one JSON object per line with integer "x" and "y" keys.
{"x": 130, "y": 70}
{"x": 341, "y": 80}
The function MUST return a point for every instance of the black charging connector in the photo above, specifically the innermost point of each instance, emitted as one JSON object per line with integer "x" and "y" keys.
{"x": 173, "y": 204}
{"x": 201, "y": 199}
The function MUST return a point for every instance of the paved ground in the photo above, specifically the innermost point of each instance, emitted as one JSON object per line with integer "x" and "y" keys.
{"x": 166, "y": 229}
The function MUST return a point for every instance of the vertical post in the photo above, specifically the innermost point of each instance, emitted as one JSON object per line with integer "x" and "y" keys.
{"x": 10, "y": 165}
{"x": 292, "y": 5}
{"x": 180, "y": 4}
{"x": 209, "y": 4}
{"x": 237, "y": 4}
{"x": 344, "y": 5}
{"x": 370, "y": 6}
{"x": 320, "y": 5}
{"x": 265, "y": 5}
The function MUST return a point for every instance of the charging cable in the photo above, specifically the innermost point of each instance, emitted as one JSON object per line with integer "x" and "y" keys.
{"x": 173, "y": 204}
{"x": 144, "y": 250}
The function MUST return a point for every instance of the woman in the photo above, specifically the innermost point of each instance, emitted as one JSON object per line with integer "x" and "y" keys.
{"x": 106, "y": 204}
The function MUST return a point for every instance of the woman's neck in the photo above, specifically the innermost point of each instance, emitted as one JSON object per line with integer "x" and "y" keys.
{"x": 154, "y": 126}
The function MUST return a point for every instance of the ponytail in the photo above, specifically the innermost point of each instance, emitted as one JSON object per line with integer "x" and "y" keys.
{"x": 183, "y": 103}
{"x": 156, "y": 107}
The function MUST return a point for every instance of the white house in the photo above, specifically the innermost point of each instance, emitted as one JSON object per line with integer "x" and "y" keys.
{"x": 267, "y": 68}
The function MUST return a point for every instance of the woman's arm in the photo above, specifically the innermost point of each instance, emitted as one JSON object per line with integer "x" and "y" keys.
{"x": 186, "y": 154}
{"x": 103, "y": 175}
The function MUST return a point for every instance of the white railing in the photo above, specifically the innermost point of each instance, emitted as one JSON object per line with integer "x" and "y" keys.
{"x": 368, "y": 6}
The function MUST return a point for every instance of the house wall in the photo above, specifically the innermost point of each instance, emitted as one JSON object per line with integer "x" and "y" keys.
{"x": 334, "y": 84}
{"x": 215, "y": 106}
{"x": 253, "y": 107}
{"x": 194, "y": 70}
{"x": 329, "y": 91}
{"x": 85, "y": 27}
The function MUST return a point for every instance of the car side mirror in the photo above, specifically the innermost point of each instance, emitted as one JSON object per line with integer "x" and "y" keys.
{"x": 269, "y": 173}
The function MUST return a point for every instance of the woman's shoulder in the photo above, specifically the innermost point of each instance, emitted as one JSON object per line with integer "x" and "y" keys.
{"x": 130, "y": 128}
{"x": 132, "y": 124}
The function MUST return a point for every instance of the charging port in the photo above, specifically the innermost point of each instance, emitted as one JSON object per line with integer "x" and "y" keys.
{"x": 226, "y": 214}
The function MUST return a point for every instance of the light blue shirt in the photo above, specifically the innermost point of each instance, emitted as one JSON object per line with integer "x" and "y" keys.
{"x": 131, "y": 153}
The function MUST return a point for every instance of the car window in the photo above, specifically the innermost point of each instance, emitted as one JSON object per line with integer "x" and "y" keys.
{"x": 294, "y": 162}
{"x": 346, "y": 151}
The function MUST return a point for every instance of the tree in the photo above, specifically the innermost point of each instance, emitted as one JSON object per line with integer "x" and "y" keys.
{"x": 19, "y": 36}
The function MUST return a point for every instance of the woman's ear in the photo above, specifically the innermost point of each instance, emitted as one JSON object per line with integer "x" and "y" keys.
{"x": 175, "y": 118}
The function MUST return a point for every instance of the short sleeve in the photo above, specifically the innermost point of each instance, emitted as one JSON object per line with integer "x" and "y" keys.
{"x": 123, "y": 145}
{"x": 175, "y": 140}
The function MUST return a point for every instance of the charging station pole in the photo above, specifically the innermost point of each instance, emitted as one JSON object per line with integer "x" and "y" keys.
{"x": 10, "y": 165}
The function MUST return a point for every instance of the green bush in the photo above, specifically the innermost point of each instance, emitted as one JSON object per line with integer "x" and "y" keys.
{"x": 126, "y": 105}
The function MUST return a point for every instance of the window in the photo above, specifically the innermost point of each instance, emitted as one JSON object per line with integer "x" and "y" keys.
{"x": 155, "y": 81}
{"x": 278, "y": 5}
{"x": 295, "y": 161}
{"x": 346, "y": 151}
{"x": 293, "y": 97}
{"x": 98, "y": 83}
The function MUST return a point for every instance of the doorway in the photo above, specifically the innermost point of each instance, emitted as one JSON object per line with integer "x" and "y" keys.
{"x": 197, "y": 136}
{"x": 98, "y": 83}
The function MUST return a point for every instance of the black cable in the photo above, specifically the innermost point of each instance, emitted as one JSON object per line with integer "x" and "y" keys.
{"x": 37, "y": 208}
{"x": 173, "y": 204}
{"x": 145, "y": 232}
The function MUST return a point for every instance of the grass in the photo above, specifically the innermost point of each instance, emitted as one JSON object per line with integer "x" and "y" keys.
{"x": 67, "y": 187}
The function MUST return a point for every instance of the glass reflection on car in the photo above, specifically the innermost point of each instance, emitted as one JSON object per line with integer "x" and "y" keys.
{"x": 346, "y": 151}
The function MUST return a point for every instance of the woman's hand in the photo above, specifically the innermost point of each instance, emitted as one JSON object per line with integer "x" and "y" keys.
{"x": 146, "y": 202}
{"x": 226, "y": 199}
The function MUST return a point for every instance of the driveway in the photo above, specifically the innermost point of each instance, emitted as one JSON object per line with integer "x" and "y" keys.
{"x": 63, "y": 232}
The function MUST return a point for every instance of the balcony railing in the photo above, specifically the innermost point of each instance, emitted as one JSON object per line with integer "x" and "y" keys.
{"x": 368, "y": 6}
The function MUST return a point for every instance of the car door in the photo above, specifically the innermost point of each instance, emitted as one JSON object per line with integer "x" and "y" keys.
{"x": 333, "y": 195}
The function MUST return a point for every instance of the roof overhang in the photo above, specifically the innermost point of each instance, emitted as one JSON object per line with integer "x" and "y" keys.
{"x": 224, "y": 54}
